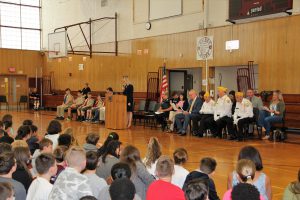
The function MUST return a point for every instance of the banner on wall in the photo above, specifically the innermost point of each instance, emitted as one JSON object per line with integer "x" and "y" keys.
{"x": 205, "y": 48}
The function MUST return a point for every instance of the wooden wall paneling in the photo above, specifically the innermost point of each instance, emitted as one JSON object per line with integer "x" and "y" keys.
{"x": 272, "y": 44}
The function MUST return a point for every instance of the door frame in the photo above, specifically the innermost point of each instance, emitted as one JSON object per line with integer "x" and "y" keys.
{"x": 184, "y": 83}
{"x": 14, "y": 104}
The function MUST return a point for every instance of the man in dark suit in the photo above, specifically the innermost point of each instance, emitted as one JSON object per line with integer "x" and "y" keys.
{"x": 195, "y": 105}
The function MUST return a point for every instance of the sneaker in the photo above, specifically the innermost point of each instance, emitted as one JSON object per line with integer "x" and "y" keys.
{"x": 94, "y": 122}
{"x": 68, "y": 118}
{"x": 266, "y": 137}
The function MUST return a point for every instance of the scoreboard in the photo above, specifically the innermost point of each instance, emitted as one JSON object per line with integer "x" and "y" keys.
{"x": 242, "y": 9}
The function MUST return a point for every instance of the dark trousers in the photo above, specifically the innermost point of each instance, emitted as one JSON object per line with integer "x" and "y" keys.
{"x": 207, "y": 121}
{"x": 162, "y": 119}
{"x": 225, "y": 122}
{"x": 195, "y": 120}
{"x": 241, "y": 125}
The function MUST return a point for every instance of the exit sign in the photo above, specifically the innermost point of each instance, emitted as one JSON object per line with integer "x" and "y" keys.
{"x": 12, "y": 69}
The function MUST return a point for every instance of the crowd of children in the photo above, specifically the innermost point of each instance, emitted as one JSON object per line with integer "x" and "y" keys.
{"x": 55, "y": 167}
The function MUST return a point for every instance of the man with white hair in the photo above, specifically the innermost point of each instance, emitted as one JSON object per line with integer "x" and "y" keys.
{"x": 195, "y": 105}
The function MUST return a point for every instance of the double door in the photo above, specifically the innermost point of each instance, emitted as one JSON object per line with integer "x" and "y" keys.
{"x": 13, "y": 86}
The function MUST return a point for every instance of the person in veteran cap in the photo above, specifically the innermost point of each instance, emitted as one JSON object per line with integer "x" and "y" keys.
{"x": 223, "y": 114}
{"x": 243, "y": 113}
{"x": 207, "y": 114}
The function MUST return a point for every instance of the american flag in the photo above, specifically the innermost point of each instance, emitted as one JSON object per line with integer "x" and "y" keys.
{"x": 164, "y": 83}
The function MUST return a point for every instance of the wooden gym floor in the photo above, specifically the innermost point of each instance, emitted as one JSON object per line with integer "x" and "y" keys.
{"x": 281, "y": 160}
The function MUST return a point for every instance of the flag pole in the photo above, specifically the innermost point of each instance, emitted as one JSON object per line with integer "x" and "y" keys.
{"x": 206, "y": 74}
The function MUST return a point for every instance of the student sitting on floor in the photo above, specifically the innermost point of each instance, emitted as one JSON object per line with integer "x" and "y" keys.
{"x": 246, "y": 173}
{"x": 41, "y": 187}
{"x": 206, "y": 171}
{"x": 22, "y": 173}
{"x": 53, "y": 130}
{"x": 23, "y": 133}
{"x": 153, "y": 153}
{"x": 7, "y": 168}
{"x": 261, "y": 180}
{"x": 76, "y": 103}
{"x": 111, "y": 136}
{"x": 70, "y": 184}
{"x": 95, "y": 182}
{"x": 7, "y": 121}
{"x": 245, "y": 191}
{"x": 197, "y": 189}
{"x": 180, "y": 157}
{"x": 163, "y": 189}
{"x": 5, "y": 138}
{"x": 6, "y": 191}
{"x": 119, "y": 170}
{"x": 122, "y": 189}
{"x": 91, "y": 142}
{"x": 108, "y": 159}
{"x": 33, "y": 141}
{"x": 68, "y": 100}
{"x": 45, "y": 146}
{"x": 88, "y": 103}
{"x": 93, "y": 113}
{"x": 292, "y": 191}
{"x": 141, "y": 178}
{"x": 59, "y": 154}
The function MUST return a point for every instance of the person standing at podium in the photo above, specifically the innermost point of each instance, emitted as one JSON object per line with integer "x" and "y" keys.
{"x": 128, "y": 92}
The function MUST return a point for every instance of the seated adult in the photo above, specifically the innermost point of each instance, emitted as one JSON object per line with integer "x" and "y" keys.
{"x": 86, "y": 90}
{"x": 256, "y": 101}
{"x": 88, "y": 104}
{"x": 192, "y": 112}
{"x": 109, "y": 93}
{"x": 163, "y": 112}
{"x": 223, "y": 113}
{"x": 292, "y": 191}
{"x": 7, "y": 167}
{"x": 243, "y": 114}
{"x": 163, "y": 189}
{"x": 93, "y": 113}
{"x": 68, "y": 100}
{"x": 181, "y": 105}
{"x": 272, "y": 114}
{"x": 34, "y": 99}
{"x": 207, "y": 115}
{"x": 260, "y": 180}
{"x": 76, "y": 103}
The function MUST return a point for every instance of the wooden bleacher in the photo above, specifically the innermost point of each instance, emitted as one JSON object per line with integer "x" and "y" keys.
{"x": 51, "y": 101}
{"x": 292, "y": 103}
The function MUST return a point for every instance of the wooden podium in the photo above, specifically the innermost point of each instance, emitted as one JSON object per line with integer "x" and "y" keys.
{"x": 116, "y": 112}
